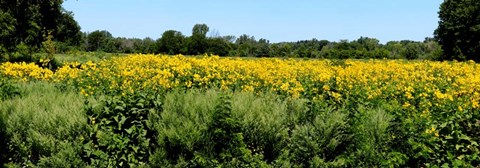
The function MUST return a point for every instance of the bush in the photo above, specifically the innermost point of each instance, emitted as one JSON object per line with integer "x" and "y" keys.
{"x": 22, "y": 53}
{"x": 7, "y": 89}
{"x": 117, "y": 133}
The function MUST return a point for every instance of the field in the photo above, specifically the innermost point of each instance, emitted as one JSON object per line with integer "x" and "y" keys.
{"x": 178, "y": 111}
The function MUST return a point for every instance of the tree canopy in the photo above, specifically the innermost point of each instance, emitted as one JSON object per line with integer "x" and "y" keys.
{"x": 29, "y": 21}
{"x": 458, "y": 31}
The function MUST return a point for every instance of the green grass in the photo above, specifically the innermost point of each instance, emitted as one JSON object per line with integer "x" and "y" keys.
{"x": 41, "y": 125}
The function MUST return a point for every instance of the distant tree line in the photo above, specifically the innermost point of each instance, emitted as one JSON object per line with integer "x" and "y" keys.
{"x": 174, "y": 42}
{"x": 25, "y": 26}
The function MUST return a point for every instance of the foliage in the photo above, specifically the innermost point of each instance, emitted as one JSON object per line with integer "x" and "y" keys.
{"x": 49, "y": 45}
{"x": 276, "y": 112}
{"x": 41, "y": 127}
{"x": 458, "y": 31}
{"x": 117, "y": 133}
{"x": 203, "y": 129}
{"x": 25, "y": 22}
{"x": 98, "y": 40}
{"x": 172, "y": 42}
{"x": 320, "y": 141}
{"x": 7, "y": 89}
{"x": 197, "y": 43}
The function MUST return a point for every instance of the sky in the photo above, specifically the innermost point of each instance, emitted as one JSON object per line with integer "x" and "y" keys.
{"x": 274, "y": 20}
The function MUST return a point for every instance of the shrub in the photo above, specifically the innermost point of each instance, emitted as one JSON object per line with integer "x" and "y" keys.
{"x": 7, "y": 89}
{"x": 117, "y": 133}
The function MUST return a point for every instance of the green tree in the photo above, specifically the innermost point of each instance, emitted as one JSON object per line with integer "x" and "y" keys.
{"x": 197, "y": 43}
{"x": 262, "y": 49}
{"x": 395, "y": 48}
{"x": 171, "y": 42}
{"x": 68, "y": 30}
{"x": 218, "y": 46}
{"x": 412, "y": 50}
{"x": 369, "y": 44}
{"x": 458, "y": 31}
{"x": 28, "y": 21}
{"x": 246, "y": 45}
{"x": 97, "y": 40}
{"x": 7, "y": 31}
{"x": 146, "y": 46}
{"x": 200, "y": 30}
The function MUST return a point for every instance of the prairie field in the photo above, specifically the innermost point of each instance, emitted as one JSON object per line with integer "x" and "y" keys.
{"x": 209, "y": 111}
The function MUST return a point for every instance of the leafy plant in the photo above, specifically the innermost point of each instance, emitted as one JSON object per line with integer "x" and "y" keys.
{"x": 117, "y": 134}
{"x": 7, "y": 89}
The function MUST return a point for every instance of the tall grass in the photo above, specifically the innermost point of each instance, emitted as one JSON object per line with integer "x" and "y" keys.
{"x": 42, "y": 125}
{"x": 48, "y": 126}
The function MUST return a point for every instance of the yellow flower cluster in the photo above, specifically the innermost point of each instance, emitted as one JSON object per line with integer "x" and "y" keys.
{"x": 432, "y": 131}
{"x": 24, "y": 71}
{"x": 419, "y": 85}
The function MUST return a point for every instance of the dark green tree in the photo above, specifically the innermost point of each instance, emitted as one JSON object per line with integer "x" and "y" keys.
{"x": 200, "y": 30}
{"x": 97, "y": 40}
{"x": 29, "y": 21}
{"x": 145, "y": 46}
{"x": 171, "y": 42}
{"x": 7, "y": 31}
{"x": 68, "y": 30}
{"x": 262, "y": 49}
{"x": 197, "y": 43}
{"x": 218, "y": 46}
{"x": 458, "y": 31}
{"x": 412, "y": 50}
{"x": 369, "y": 44}
{"x": 246, "y": 45}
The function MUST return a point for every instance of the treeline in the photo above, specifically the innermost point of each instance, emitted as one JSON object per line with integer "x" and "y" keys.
{"x": 174, "y": 42}
{"x": 32, "y": 26}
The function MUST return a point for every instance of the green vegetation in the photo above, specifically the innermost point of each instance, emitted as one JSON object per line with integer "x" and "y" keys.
{"x": 173, "y": 42}
{"x": 459, "y": 29}
{"x": 27, "y": 23}
{"x": 112, "y": 117}
{"x": 456, "y": 38}
{"x": 48, "y": 126}
{"x": 457, "y": 35}
{"x": 41, "y": 125}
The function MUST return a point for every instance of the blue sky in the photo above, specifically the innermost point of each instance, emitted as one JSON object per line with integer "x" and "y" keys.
{"x": 274, "y": 20}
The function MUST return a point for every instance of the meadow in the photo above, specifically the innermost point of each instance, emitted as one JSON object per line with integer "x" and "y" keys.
{"x": 210, "y": 111}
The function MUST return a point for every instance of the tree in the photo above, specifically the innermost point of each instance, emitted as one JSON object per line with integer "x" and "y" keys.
{"x": 171, "y": 42}
{"x": 218, "y": 46}
{"x": 97, "y": 40}
{"x": 149, "y": 46}
{"x": 197, "y": 43}
{"x": 262, "y": 48}
{"x": 7, "y": 31}
{"x": 29, "y": 21}
{"x": 246, "y": 45}
{"x": 68, "y": 30}
{"x": 229, "y": 38}
{"x": 200, "y": 30}
{"x": 369, "y": 44}
{"x": 458, "y": 31}
{"x": 412, "y": 50}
